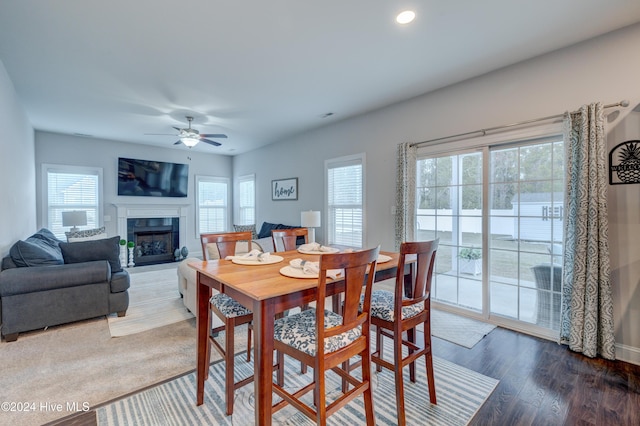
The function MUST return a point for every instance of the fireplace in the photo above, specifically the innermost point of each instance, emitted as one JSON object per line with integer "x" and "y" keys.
{"x": 155, "y": 239}
{"x": 153, "y": 222}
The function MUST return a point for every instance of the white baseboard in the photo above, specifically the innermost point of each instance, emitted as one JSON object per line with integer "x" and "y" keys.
{"x": 628, "y": 354}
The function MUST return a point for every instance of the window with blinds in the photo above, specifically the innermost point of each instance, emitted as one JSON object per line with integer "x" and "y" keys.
{"x": 247, "y": 200}
{"x": 213, "y": 204}
{"x": 68, "y": 188}
{"x": 345, "y": 200}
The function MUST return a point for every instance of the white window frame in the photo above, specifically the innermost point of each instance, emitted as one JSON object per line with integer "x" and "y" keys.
{"x": 246, "y": 202}
{"x": 77, "y": 170}
{"x": 211, "y": 179}
{"x": 359, "y": 159}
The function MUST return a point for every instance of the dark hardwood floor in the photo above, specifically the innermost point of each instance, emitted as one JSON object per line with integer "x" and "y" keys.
{"x": 541, "y": 383}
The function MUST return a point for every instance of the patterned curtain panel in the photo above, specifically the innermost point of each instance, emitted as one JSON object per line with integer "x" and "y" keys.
{"x": 405, "y": 193}
{"x": 587, "y": 307}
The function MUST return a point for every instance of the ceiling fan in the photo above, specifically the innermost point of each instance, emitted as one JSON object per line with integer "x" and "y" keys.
{"x": 190, "y": 137}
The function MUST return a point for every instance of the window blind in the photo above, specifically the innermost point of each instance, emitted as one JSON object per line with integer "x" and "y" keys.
{"x": 247, "y": 200}
{"x": 212, "y": 204}
{"x": 70, "y": 189}
{"x": 345, "y": 202}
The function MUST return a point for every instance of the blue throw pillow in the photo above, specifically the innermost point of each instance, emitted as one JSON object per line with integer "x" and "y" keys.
{"x": 266, "y": 229}
{"x": 40, "y": 249}
{"x": 45, "y": 235}
{"x": 88, "y": 251}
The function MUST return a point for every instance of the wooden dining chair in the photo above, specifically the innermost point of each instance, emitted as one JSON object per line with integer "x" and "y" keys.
{"x": 323, "y": 339}
{"x": 413, "y": 300}
{"x": 230, "y": 312}
{"x": 286, "y": 239}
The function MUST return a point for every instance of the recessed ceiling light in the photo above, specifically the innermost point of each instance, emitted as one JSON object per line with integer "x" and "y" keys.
{"x": 405, "y": 17}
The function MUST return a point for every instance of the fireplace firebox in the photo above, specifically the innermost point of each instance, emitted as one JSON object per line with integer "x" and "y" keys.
{"x": 155, "y": 239}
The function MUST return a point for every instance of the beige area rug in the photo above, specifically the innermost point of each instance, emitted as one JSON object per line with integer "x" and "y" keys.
{"x": 456, "y": 329}
{"x": 82, "y": 364}
{"x": 154, "y": 301}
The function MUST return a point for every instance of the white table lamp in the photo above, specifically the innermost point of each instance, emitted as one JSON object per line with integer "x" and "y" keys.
{"x": 74, "y": 219}
{"x": 311, "y": 220}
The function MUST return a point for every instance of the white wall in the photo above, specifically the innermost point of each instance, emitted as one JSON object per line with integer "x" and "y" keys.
{"x": 603, "y": 69}
{"x": 17, "y": 170}
{"x": 624, "y": 233}
{"x": 53, "y": 148}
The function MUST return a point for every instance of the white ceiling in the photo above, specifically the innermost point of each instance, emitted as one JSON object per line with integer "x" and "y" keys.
{"x": 260, "y": 71}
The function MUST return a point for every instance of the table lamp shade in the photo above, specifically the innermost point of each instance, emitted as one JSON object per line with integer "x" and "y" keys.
{"x": 310, "y": 219}
{"x": 74, "y": 218}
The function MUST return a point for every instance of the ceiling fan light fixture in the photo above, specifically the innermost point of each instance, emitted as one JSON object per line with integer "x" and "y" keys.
{"x": 191, "y": 137}
{"x": 405, "y": 17}
{"x": 190, "y": 141}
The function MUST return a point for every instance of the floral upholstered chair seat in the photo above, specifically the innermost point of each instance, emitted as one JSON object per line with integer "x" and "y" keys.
{"x": 299, "y": 332}
{"x": 228, "y": 306}
{"x": 382, "y": 306}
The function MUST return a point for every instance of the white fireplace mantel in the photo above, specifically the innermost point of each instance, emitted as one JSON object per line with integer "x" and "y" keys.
{"x": 149, "y": 211}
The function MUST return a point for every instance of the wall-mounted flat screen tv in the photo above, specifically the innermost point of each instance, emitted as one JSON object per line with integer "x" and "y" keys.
{"x": 152, "y": 178}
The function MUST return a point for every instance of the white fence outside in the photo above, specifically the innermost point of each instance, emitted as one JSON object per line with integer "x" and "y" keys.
{"x": 538, "y": 221}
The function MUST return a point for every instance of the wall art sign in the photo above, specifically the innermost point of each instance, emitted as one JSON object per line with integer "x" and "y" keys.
{"x": 284, "y": 189}
{"x": 624, "y": 163}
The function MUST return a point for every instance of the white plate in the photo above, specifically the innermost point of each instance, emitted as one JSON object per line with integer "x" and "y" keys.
{"x": 290, "y": 271}
{"x": 383, "y": 258}
{"x": 333, "y": 250}
{"x": 268, "y": 261}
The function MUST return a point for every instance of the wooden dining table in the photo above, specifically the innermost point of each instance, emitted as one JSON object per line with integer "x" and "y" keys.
{"x": 267, "y": 292}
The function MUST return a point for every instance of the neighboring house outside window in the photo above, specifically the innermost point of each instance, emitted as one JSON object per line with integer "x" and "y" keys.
{"x": 212, "y": 199}
{"x": 68, "y": 188}
{"x": 344, "y": 182}
{"x": 246, "y": 200}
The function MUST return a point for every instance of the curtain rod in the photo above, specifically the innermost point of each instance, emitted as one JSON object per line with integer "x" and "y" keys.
{"x": 483, "y": 132}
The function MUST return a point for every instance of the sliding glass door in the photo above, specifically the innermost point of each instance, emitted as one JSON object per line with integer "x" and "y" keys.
{"x": 498, "y": 212}
{"x": 449, "y": 207}
{"x": 525, "y": 247}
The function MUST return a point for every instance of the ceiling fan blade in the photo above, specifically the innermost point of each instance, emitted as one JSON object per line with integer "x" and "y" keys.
{"x": 214, "y": 135}
{"x": 160, "y": 134}
{"x": 178, "y": 143}
{"x": 177, "y": 128}
{"x": 210, "y": 142}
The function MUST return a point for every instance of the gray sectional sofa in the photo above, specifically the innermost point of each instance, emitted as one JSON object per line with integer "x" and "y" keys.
{"x": 46, "y": 282}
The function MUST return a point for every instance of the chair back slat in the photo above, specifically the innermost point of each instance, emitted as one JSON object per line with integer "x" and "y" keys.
{"x": 424, "y": 253}
{"x": 359, "y": 273}
{"x": 397, "y": 320}
{"x": 224, "y": 241}
{"x": 286, "y": 239}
